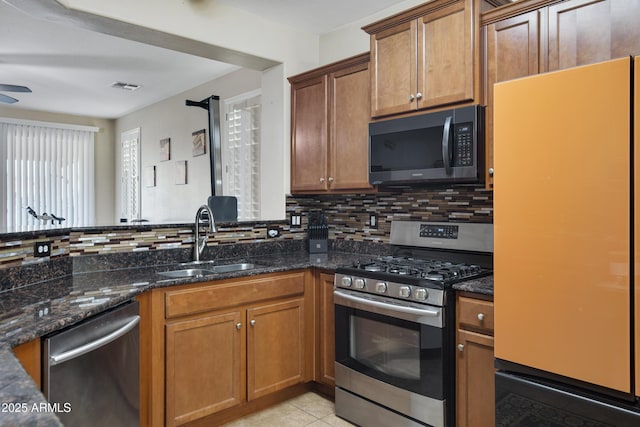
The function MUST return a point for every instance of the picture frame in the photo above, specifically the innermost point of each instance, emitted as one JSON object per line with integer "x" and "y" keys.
{"x": 199, "y": 145}
{"x": 165, "y": 149}
{"x": 181, "y": 172}
{"x": 150, "y": 176}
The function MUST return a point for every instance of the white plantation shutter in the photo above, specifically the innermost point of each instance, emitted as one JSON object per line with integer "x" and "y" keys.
{"x": 241, "y": 154}
{"x": 130, "y": 174}
{"x": 49, "y": 168}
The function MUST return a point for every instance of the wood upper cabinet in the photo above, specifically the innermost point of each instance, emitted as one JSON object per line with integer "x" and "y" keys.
{"x": 536, "y": 36}
{"x": 512, "y": 51}
{"x": 330, "y": 115}
{"x": 475, "y": 384}
{"x": 425, "y": 57}
{"x": 588, "y": 31}
{"x": 309, "y": 135}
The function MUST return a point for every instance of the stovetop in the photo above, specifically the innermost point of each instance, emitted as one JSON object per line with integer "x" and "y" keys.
{"x": 416, "y": 271}
{"x": 428, "y": 258}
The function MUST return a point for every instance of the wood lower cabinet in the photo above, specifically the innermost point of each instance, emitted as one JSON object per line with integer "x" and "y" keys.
{"x": 330, "y": 128}
{"x": 275, "y": 347}
{"x": 475, "y": 389}
{"x": 204, "y": 366}
{"x": 215, "y": 351}
{"x": 326, "y": 331}
{"x": 29, "y": 355}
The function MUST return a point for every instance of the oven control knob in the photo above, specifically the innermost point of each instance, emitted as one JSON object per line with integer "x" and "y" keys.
{"x": 346, "y": 281}
{"x": 421, "y": 294}
{"x": 381, "y": 287}
{"x": 360, "y": 283}
{"x": 404, "y": 291}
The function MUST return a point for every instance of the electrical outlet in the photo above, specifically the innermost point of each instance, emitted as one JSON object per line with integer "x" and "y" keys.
{"x": 41, "y": 249}
{"x": 373, "y": 221}
{"x": 42, "y": 310}
{"x": 296, "y": 220}
{"x": 273, "y": 232}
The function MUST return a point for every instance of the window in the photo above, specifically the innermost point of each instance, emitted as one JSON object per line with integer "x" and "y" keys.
{"x": 48, "y": 175}
{"x": 130, "y": 175}
{"x": 241, "y": 153}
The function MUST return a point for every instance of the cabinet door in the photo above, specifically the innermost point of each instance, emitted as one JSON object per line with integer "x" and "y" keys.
{"x": 393, "y": 69}
{"x": 350, "y": 101}
{"x": 475, "y": 387}
{"x": 327, "y": 332}
{"x": 513, "y": 50}
{"x": 587, "y": 31}
{"x": 445, "y": 56}
{"x": 204, "y": 360}
{"x": 275, "y": 342}
{"x": 309, "y": 135}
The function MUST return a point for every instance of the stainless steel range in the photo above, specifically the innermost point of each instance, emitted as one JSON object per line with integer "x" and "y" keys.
{"x": 395, "y": 324}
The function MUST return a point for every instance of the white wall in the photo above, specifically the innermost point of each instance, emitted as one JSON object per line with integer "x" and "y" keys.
{"x": 350, "y": 39}
{"x": 104, "y": 153}
{"x": 171, "y": 118}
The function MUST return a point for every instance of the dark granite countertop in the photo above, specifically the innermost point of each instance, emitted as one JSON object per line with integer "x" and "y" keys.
{"x": 74, "y": 297}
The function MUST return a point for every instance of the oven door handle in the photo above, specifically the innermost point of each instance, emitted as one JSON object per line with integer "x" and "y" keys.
{"x": 392, "y": 310}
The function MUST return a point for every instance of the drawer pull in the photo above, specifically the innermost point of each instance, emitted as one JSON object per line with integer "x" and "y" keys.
{"x": 480, "y": 317}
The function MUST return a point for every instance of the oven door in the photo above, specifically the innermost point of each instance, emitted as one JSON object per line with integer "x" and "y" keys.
{"x": 398, "y": 345}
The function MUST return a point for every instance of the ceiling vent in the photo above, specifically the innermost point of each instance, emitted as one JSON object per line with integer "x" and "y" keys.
{"x": 126, "y": 86}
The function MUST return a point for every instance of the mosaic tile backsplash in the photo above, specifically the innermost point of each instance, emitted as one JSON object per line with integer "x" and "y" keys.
{"x": 348, "y": 218}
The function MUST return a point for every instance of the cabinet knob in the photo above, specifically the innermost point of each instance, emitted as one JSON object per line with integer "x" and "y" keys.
{"x": 460, "y": 347}
{"x": 480, "y": 317}
{"x": 253, "y": 322}
{"x": 418, "y": 95}
{"x": 490, "y": 171}
{"x": 322, "y": 179}
{"x": 238, "y": 326}
{"x": 330, "y": 179}
{"x": 411, "y": 98}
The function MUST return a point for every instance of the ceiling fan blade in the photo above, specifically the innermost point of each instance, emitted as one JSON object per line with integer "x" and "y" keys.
{"x": 7, "y": 99}
{"x": 14, "y": 88}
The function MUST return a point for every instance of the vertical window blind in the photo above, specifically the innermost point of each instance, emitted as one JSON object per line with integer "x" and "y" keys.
{"x": 241, "y": 154}
{"x": 130, "y": 175}
{"x": 48, "y": 171}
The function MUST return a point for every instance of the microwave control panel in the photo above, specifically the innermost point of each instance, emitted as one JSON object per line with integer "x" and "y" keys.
{"x": 463, "y": 146}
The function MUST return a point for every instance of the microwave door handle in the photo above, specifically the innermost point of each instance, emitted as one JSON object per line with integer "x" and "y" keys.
{"x": 446, "y": 145}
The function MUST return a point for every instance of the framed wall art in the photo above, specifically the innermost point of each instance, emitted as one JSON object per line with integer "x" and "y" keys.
{"x": 199, "y": 142}
{"x": 165, "y": 149}
{"x": 181, "y": 172}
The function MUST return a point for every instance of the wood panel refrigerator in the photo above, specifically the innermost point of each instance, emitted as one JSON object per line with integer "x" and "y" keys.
{"x": 566, "y": 165}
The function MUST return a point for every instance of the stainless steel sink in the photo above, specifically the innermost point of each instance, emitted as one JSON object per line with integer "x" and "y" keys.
{"x": 186, "y": 272}
{"x": 226, "y": 268}
{"x": 211, "y": 269}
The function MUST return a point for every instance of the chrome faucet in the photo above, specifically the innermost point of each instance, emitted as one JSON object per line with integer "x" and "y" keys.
{"x": 198, "y": 246}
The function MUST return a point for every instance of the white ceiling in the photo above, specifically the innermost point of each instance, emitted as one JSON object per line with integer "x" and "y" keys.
{"x": 71, "y": 70}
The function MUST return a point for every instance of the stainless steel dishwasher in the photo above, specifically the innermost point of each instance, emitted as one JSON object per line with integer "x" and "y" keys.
{"x": 92, "y": 370}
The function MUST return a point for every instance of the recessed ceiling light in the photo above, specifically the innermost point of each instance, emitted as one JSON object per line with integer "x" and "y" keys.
{"x": 126, "y": 86}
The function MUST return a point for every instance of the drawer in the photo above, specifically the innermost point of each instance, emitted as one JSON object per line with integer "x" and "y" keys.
{"x": 217, "y": 295}
{"x": 475, "y": 314}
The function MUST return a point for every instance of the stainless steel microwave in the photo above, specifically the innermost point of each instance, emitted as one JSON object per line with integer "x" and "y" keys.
{"x": 442, "y": 147}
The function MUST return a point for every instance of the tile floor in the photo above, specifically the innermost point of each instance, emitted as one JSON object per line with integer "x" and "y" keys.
{"x": 309, "y": 409}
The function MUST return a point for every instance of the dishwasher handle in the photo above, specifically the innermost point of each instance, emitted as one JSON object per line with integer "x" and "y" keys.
{"x": 93, "y": 345}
